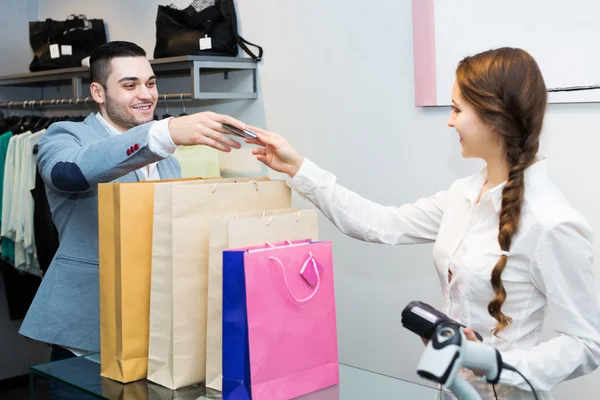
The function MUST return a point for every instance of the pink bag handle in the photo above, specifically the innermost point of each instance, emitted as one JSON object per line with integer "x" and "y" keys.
{"x": 272, "y": 245}
{"x": 314, "y": 264}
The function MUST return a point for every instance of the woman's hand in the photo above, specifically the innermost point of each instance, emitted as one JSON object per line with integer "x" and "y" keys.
{"x": 275, "y": 152}
{"x": 471, "y": 336}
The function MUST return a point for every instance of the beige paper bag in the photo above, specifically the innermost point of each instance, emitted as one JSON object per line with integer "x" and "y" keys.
{"x": 243, "y": 230}
{"x": 177, "y": 349}
{"x": 125, "y": 213}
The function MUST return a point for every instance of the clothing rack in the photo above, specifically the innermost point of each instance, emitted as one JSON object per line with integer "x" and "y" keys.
{"x": 30, "y": 104}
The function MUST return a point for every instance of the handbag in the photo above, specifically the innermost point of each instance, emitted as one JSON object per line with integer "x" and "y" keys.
{"x": 205, "y": 27}
{"x": 63, "y": 44}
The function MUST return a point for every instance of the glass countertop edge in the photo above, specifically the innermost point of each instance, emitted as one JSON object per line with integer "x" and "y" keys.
{"x": 34, "y": 369}
{"x": 92, "y": 358}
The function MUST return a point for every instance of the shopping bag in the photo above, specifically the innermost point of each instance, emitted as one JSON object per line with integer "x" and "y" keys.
{"x": 125, "y": 254}
{"x": 198, "y": 161}
{"x": 179, "y": 293}
{"x": 242, "y": 230}
{"x": 279, "y": 330}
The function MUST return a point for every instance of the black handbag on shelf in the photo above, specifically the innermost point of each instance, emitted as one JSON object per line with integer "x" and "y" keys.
{"x": 63, "y": 44}
{"x": 206, "y": 27}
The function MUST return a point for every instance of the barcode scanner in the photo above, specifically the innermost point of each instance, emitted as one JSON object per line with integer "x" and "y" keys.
{"x": 423, "y": 319}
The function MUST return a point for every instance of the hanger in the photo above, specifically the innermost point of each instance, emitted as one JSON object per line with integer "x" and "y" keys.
{"x": 183, "y": 105}
{"x": 166, "y": 115}
{"x": 17, "y": 127}
{"x": 29, "y": 118}
{"x": 64, "y": 117}
{"x": 41, "y": 118}
{"x": 49, "y": 120}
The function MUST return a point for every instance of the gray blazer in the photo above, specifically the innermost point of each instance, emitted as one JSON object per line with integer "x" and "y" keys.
{"x": 73, "y": 158}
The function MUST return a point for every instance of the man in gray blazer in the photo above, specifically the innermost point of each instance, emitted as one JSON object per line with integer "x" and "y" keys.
{"x": 121, "y": 143}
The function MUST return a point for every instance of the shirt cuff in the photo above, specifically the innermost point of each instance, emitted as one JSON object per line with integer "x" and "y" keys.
{"x": 508, "y": 377}
{"x": 305, "y": 180}
{"x": 159, "y": 139}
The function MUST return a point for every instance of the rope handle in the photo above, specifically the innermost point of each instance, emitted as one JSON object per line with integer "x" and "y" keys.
{"x": 288, "y": 242}
{"x": 310, "y": 259}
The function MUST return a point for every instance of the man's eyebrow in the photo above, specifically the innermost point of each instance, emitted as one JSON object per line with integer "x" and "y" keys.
{"x": 128, "y": 78}
{"x": 134, "y": 79}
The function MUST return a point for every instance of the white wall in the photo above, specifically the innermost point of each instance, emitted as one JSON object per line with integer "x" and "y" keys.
{"x": 15, "y": 17}
{"x": 337, "y": 81}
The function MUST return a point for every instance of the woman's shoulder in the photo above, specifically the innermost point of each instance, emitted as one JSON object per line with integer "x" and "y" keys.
{"x": 548, "y": 206}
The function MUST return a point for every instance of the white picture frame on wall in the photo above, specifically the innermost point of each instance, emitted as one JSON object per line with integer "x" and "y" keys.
{"x": 563, "y": 37}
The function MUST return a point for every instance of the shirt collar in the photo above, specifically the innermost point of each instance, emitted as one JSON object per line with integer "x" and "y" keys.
{"x": 533, "y": 174}
{"x": 109, "y": 127}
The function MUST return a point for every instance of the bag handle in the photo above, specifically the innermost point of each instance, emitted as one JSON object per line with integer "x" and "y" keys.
{"x": 314, "y": 265}
{"x": 240, "y": 40}
{"x": 49, "y": 32}
{"x": 288, "y": 242}
{"x": 75, "y": 22}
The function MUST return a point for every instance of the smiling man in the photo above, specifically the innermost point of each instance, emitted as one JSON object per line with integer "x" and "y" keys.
{"x": 120, "y": 143}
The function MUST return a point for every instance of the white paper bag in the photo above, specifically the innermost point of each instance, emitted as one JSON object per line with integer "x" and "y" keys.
{"x": 179, "y": 280}
{"x": 243, "y": 230}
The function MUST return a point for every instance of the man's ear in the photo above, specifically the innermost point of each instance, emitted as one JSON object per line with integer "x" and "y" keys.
{"x": 98, "y": 93}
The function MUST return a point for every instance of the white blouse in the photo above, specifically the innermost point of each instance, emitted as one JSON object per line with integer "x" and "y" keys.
{"x": 549, "y": 268}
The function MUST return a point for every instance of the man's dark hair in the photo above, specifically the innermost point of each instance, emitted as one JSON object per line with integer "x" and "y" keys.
{"x": 100, "y": 60}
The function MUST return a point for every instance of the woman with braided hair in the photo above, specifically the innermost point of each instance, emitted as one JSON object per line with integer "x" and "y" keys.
{"x": 509, "y": 249}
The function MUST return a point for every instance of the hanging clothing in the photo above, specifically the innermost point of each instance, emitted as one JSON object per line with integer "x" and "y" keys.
{"x": 44, "y": 231}
{"x": 11, "y": 170}
{"x": 20, "y": 289}
{"x": 24, "y": 212}
{"x": 15, "y": 201}
{"x": 17, "y": 209}
{"x": 4, "y": 139}
{"x": 7, "y": 249}
{"x": 16, "y": 225}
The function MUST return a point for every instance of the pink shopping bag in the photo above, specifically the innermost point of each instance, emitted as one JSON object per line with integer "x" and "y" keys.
{"x": 292, "y": 333}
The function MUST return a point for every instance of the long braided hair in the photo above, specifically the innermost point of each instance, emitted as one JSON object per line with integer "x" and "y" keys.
{"x": 508, "y": 92}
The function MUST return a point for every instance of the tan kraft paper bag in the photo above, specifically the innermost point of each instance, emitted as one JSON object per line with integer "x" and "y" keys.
{"x": 177, "y": 344}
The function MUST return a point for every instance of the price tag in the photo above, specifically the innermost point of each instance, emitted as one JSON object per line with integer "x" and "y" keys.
{"x": 205, "y": 43}
{"x": 54, "y": 51}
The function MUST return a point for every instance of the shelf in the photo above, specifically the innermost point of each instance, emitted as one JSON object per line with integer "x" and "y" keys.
{"x": 192, "y": 66}
{"x": 65, "y": 75}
